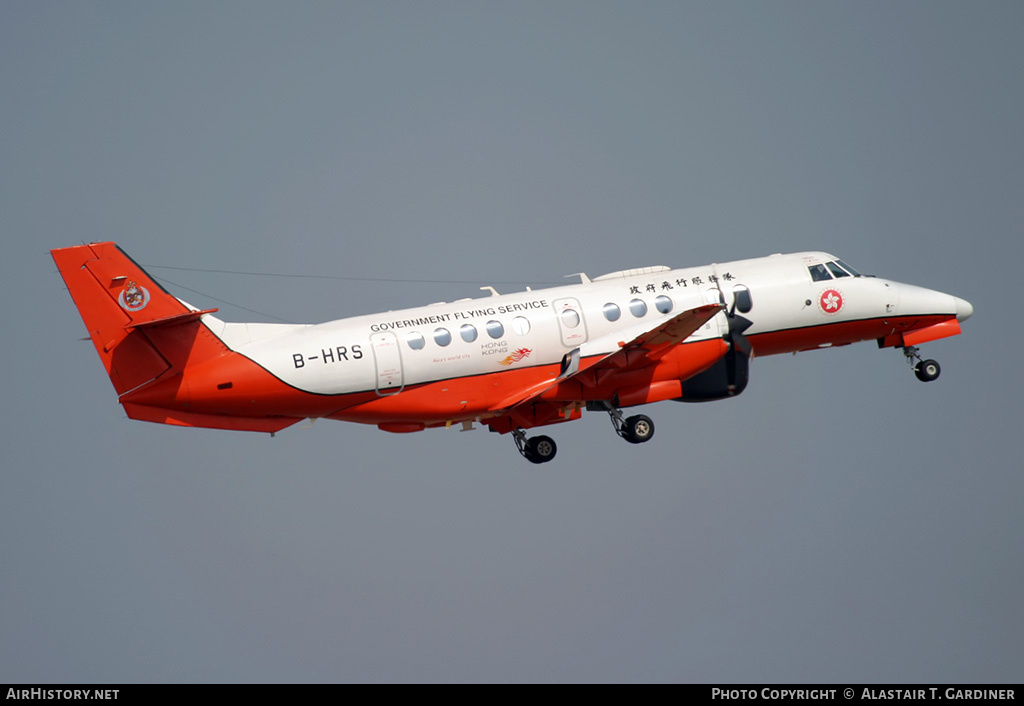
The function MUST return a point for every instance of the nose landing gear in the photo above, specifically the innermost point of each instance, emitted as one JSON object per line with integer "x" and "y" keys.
{"x": 925, "y": 370}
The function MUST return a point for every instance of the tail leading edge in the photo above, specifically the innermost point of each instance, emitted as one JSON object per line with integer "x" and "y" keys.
{"x": 144, "y": 335}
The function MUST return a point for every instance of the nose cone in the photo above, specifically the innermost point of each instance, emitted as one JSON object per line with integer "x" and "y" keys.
{"x": 963, "y": 309}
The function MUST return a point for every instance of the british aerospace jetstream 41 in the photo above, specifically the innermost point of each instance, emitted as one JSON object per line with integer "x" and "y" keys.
{"x": 510, "y": 362}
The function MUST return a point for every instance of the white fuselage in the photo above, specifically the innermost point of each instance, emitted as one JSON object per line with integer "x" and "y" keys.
{"x": 390, "y": 351}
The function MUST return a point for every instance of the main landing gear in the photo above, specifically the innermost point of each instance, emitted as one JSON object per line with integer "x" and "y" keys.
{"x": 636, "y": 430}
{"x": 925, "y": 370}
{"x": 539, "y": 449}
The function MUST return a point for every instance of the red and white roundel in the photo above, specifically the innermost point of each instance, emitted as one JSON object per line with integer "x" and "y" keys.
{"x": 831, "y": 301}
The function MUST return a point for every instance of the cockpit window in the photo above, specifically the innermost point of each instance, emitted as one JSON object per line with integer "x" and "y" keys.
{"x": 836, "y": 270}
{"x": 849, "y": 269}
{"x": 819, "y": 273}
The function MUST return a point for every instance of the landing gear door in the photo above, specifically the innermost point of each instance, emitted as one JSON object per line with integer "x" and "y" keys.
{"x": 388, "y": 358}
{"x": 570, "y": 322}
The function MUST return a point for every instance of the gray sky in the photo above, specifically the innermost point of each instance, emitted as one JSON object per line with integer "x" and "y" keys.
{"x": 840, "y": 521}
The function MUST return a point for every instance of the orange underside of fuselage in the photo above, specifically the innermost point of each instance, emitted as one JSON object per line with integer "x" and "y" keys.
{"x": 233, "y": 388}
{"x": 477, "y": 396}
{"x": 229, "y": 391}
{"x": 841, "y": 333}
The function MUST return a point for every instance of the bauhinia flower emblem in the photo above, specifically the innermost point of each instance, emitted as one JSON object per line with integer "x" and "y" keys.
{"x": 831, "y": 301}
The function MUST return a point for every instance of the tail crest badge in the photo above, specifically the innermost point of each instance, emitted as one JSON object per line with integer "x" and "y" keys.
{"x": 133, "y": 297}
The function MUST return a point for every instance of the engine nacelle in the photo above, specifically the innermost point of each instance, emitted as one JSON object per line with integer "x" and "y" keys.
{"x": 726, "y": 378}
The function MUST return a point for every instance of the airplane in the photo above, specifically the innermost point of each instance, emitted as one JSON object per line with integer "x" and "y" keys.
{"x": 508, "y": 362}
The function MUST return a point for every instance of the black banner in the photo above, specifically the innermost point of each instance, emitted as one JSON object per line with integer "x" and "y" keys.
{"x": 721, "y": 692}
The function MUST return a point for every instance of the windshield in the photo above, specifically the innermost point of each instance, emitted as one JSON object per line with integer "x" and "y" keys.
{"x": 849, "y": 269}
{"x": 834, "y": 269}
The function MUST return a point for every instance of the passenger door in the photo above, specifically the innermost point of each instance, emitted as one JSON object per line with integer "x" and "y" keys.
{"x": 387, "y": 356}
{"x": 571, "y": 324}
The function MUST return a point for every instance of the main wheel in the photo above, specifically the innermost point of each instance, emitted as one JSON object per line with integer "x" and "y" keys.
{"x": 927, "y": 370}
{"x": 638, "y": 429}
{"x": 540, "y": 449}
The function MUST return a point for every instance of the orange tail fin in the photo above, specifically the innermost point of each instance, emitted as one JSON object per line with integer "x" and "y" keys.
{"x": 122, "y": 308}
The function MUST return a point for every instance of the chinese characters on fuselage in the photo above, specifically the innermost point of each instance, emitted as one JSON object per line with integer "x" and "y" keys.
{"x": 681, "y": 283}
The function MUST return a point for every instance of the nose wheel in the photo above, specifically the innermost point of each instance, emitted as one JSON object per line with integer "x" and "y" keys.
{"x": 925, "y": 370}
{"x": 636, "y": 430}
{"x": 539, "y": 449}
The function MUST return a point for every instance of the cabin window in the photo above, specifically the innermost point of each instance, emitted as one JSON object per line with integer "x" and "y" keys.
{"x": 495, "y": 329}
{"x": 819, "y": 273}
{"x": 611, "y": 311}
{"x": 521, "y": 325}
{"x": 663, "y": 304}
{"x": 743, "y": 301}
{"x": 415, "y": 340}
{"x": 442, "y": 337}
{"x": 836, "y": 270}
{"x": 638, "y": 308}
{"x": 468, "y": 332}
{"x": 570, "y": 318}
{"x": 714, "y": 296}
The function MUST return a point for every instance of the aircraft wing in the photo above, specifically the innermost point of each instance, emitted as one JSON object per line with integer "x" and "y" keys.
{"x": 644, "y": 349}
{"x": 655, "y": 343}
